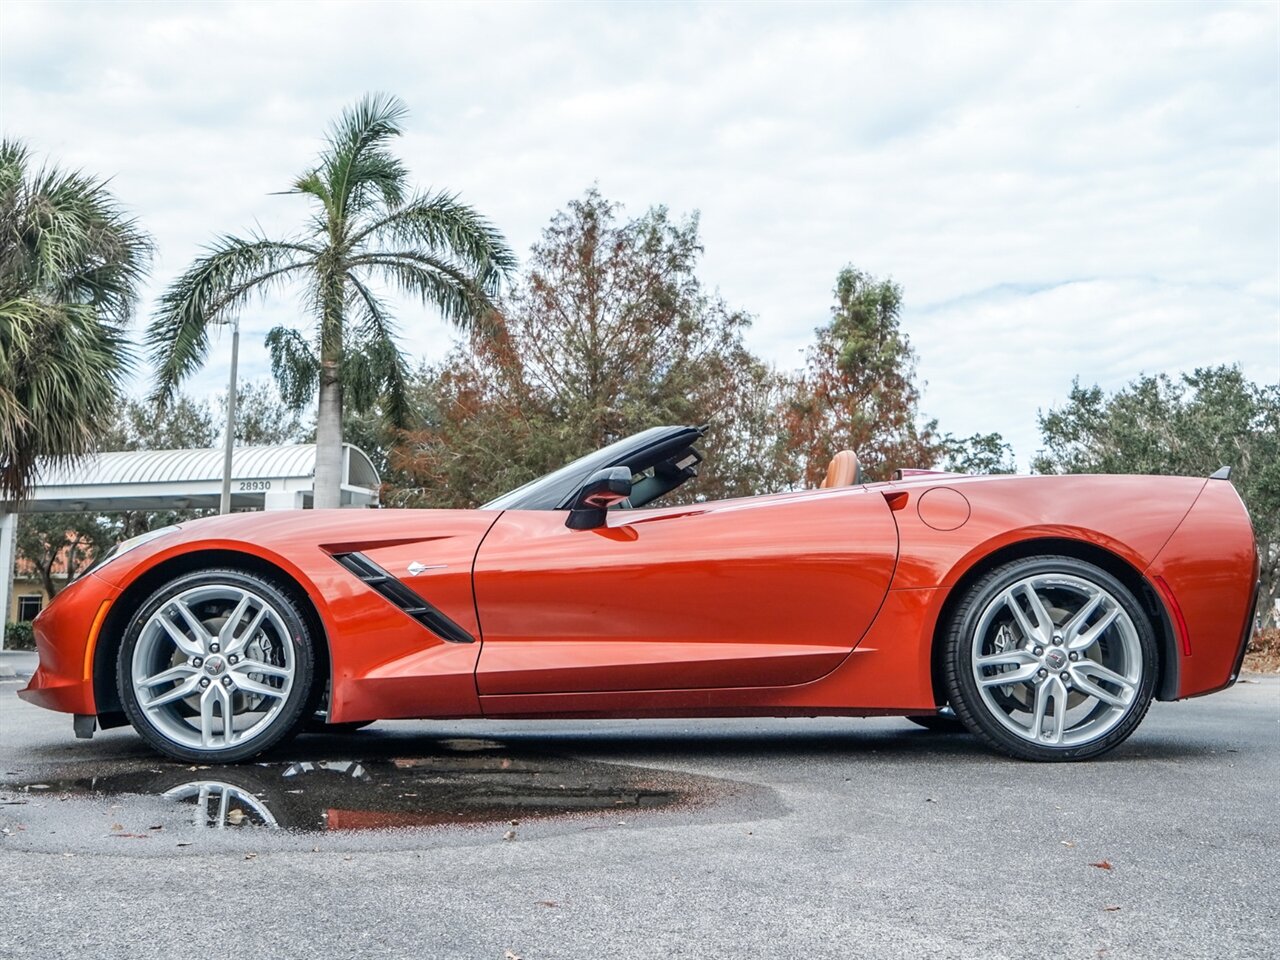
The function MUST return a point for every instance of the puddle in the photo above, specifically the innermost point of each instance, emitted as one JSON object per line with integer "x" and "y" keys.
{"x": 466, "y": 782}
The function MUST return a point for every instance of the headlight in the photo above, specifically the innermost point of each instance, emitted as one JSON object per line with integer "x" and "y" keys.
{"x": 124, "y": 546}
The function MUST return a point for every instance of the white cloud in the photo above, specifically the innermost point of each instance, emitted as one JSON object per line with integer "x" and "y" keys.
{"x": 1061, "y": 189}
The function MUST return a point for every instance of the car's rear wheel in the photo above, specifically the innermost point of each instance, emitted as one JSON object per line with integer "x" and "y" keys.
{"x": 1050, "y": 658}
{"x": 216, "y": 666}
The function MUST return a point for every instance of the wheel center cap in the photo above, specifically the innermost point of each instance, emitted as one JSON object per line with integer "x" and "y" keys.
{"x": 1055, "y": 659}
{"x": 214, "y": 666}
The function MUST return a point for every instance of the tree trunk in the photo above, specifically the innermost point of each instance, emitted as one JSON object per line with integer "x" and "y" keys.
{"x": 328, "y": 485}
{"x": 46, "y": 576}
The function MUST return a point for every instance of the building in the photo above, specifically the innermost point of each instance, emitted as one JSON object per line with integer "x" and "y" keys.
{"x": 262, "y": 478}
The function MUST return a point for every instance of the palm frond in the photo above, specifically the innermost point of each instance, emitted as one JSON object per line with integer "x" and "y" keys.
{"x": 60, "y": 374}
{"x": 438, "y": 222}
{"x": 356, "y": 167}
{"x": 71, "y": 262}
{"x": 210, "y": 292}
{"x": 295, "y": 365}
{"x": 376, "y": 372}
{"x": 460, "y": 298}
{"x": 64, "y": 233}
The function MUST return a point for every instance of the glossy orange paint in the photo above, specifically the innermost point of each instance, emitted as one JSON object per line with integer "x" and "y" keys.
{"x": 682, "y": 597}
{"x": 1210, "y": 565}
{"x": 800, "y": 603}
{"x": 65, "y": 636}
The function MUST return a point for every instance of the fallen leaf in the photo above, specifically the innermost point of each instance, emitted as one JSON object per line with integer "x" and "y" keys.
{"x": 509, "y": 835}
{"x": 546, "y": 903}
{"x": 515, "y": 823}
{"x": 1102, "y": 864}
{"x": 930, "y": 800}
{"x": 251, "y": 856}
{"x": 235, "y": 817}
{"x": 1067, "y": 843}
{"x": 117, "y": 826}
{"x": 135, "y": 836}
{"x": 158, "y": 826}
{"x": 1110, "y": 909}
{"x": 512, "y": 955}
{"x": 184, "y": 843}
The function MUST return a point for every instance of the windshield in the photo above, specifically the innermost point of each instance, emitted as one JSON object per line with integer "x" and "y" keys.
{"x": 554, "y": 490}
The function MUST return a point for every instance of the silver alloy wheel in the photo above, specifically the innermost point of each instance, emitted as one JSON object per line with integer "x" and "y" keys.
{"x": 213, "y": 667}
{"x": 216, "y": 802}
{"x": 1057, "y": 660}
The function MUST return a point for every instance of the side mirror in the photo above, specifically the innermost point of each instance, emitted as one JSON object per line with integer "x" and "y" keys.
{"x": 598, "y": 494}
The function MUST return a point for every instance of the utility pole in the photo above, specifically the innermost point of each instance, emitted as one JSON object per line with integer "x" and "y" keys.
{"x": 224, "y": 505}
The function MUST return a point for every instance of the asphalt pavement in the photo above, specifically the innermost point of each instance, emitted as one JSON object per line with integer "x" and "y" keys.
{"x": 635, "y": 839}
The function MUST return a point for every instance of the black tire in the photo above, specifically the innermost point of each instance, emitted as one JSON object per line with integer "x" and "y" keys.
{"x": 986, "y": 598}
{"x": 293, "y": 631}
{"x": 944, "y": 721}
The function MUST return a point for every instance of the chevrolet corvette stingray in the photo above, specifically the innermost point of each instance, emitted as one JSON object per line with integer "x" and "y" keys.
{"x": 1042, "y": 613}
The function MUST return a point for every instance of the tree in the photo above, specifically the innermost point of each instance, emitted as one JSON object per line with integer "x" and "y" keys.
{"x": 262, "y": 418}
{"x": 980, "y": 453}
{"x": 184, "y": 424}
{"x": 70, "y": 265}
{"x": 366, "y": 225}
{"x": 609, "y": 332}
{"x": 70, "y": 541}
{"x": 858, "y": 390}
{"x": 1189, "y": 425}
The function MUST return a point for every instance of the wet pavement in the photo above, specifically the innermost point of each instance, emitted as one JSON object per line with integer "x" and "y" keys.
{"x": 448, "y": 782}
{"x": 716, "y": 838}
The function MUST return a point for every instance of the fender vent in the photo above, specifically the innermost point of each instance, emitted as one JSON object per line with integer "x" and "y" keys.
{"x": 404, "y": 598}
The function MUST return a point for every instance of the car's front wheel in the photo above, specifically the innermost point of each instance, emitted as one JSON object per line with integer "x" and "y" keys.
{"x": 1050, "y": 658}
{"x": 216, "y": 666}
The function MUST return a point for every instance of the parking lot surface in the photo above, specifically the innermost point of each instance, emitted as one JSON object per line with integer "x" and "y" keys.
{"x": 734, "y": 838}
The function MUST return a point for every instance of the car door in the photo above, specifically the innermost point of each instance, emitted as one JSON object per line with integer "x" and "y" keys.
{"x": 768, "y": 591}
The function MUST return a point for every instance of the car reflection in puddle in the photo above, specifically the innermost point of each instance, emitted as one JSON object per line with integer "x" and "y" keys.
{"x": 471, "y": 783}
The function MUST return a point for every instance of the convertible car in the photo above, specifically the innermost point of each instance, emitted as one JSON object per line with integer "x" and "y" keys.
{"x": 1041, "y": 613}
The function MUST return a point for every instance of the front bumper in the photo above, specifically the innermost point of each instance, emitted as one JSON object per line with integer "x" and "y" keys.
{"x": 66, "y": 635}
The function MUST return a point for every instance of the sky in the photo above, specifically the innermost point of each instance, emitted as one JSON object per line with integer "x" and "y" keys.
{"x": 1062, "y": 190}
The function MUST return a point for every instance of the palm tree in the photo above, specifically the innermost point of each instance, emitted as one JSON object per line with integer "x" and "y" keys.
{"x": 365, "y": 224}
{"x": 70, "y": 265}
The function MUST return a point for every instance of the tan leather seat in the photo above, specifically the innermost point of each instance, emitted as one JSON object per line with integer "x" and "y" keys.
{"x": 842, "y": 471}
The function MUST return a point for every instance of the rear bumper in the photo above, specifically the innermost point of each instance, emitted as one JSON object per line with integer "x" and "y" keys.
{"x": 1210, "y": 566}
{"x": 1245, "y": 635}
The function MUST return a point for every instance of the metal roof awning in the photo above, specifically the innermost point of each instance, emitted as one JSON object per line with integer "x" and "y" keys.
{"x": 277, "y": 477}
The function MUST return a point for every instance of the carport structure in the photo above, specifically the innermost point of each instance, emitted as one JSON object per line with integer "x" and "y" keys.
{"x": 263, "y": 478}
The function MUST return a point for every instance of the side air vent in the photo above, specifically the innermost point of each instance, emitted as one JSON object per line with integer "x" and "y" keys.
{"x": 404, "y": 598}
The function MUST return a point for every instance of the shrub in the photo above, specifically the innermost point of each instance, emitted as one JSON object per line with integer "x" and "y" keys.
{"x": 19, "y": 636}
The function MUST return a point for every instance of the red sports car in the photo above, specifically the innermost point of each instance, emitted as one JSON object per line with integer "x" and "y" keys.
{"x": 1043, "y": 613}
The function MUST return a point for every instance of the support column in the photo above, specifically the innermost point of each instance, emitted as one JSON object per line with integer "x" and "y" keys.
{"x": 282, "y": 500}
{"x": 8, "y": 535}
